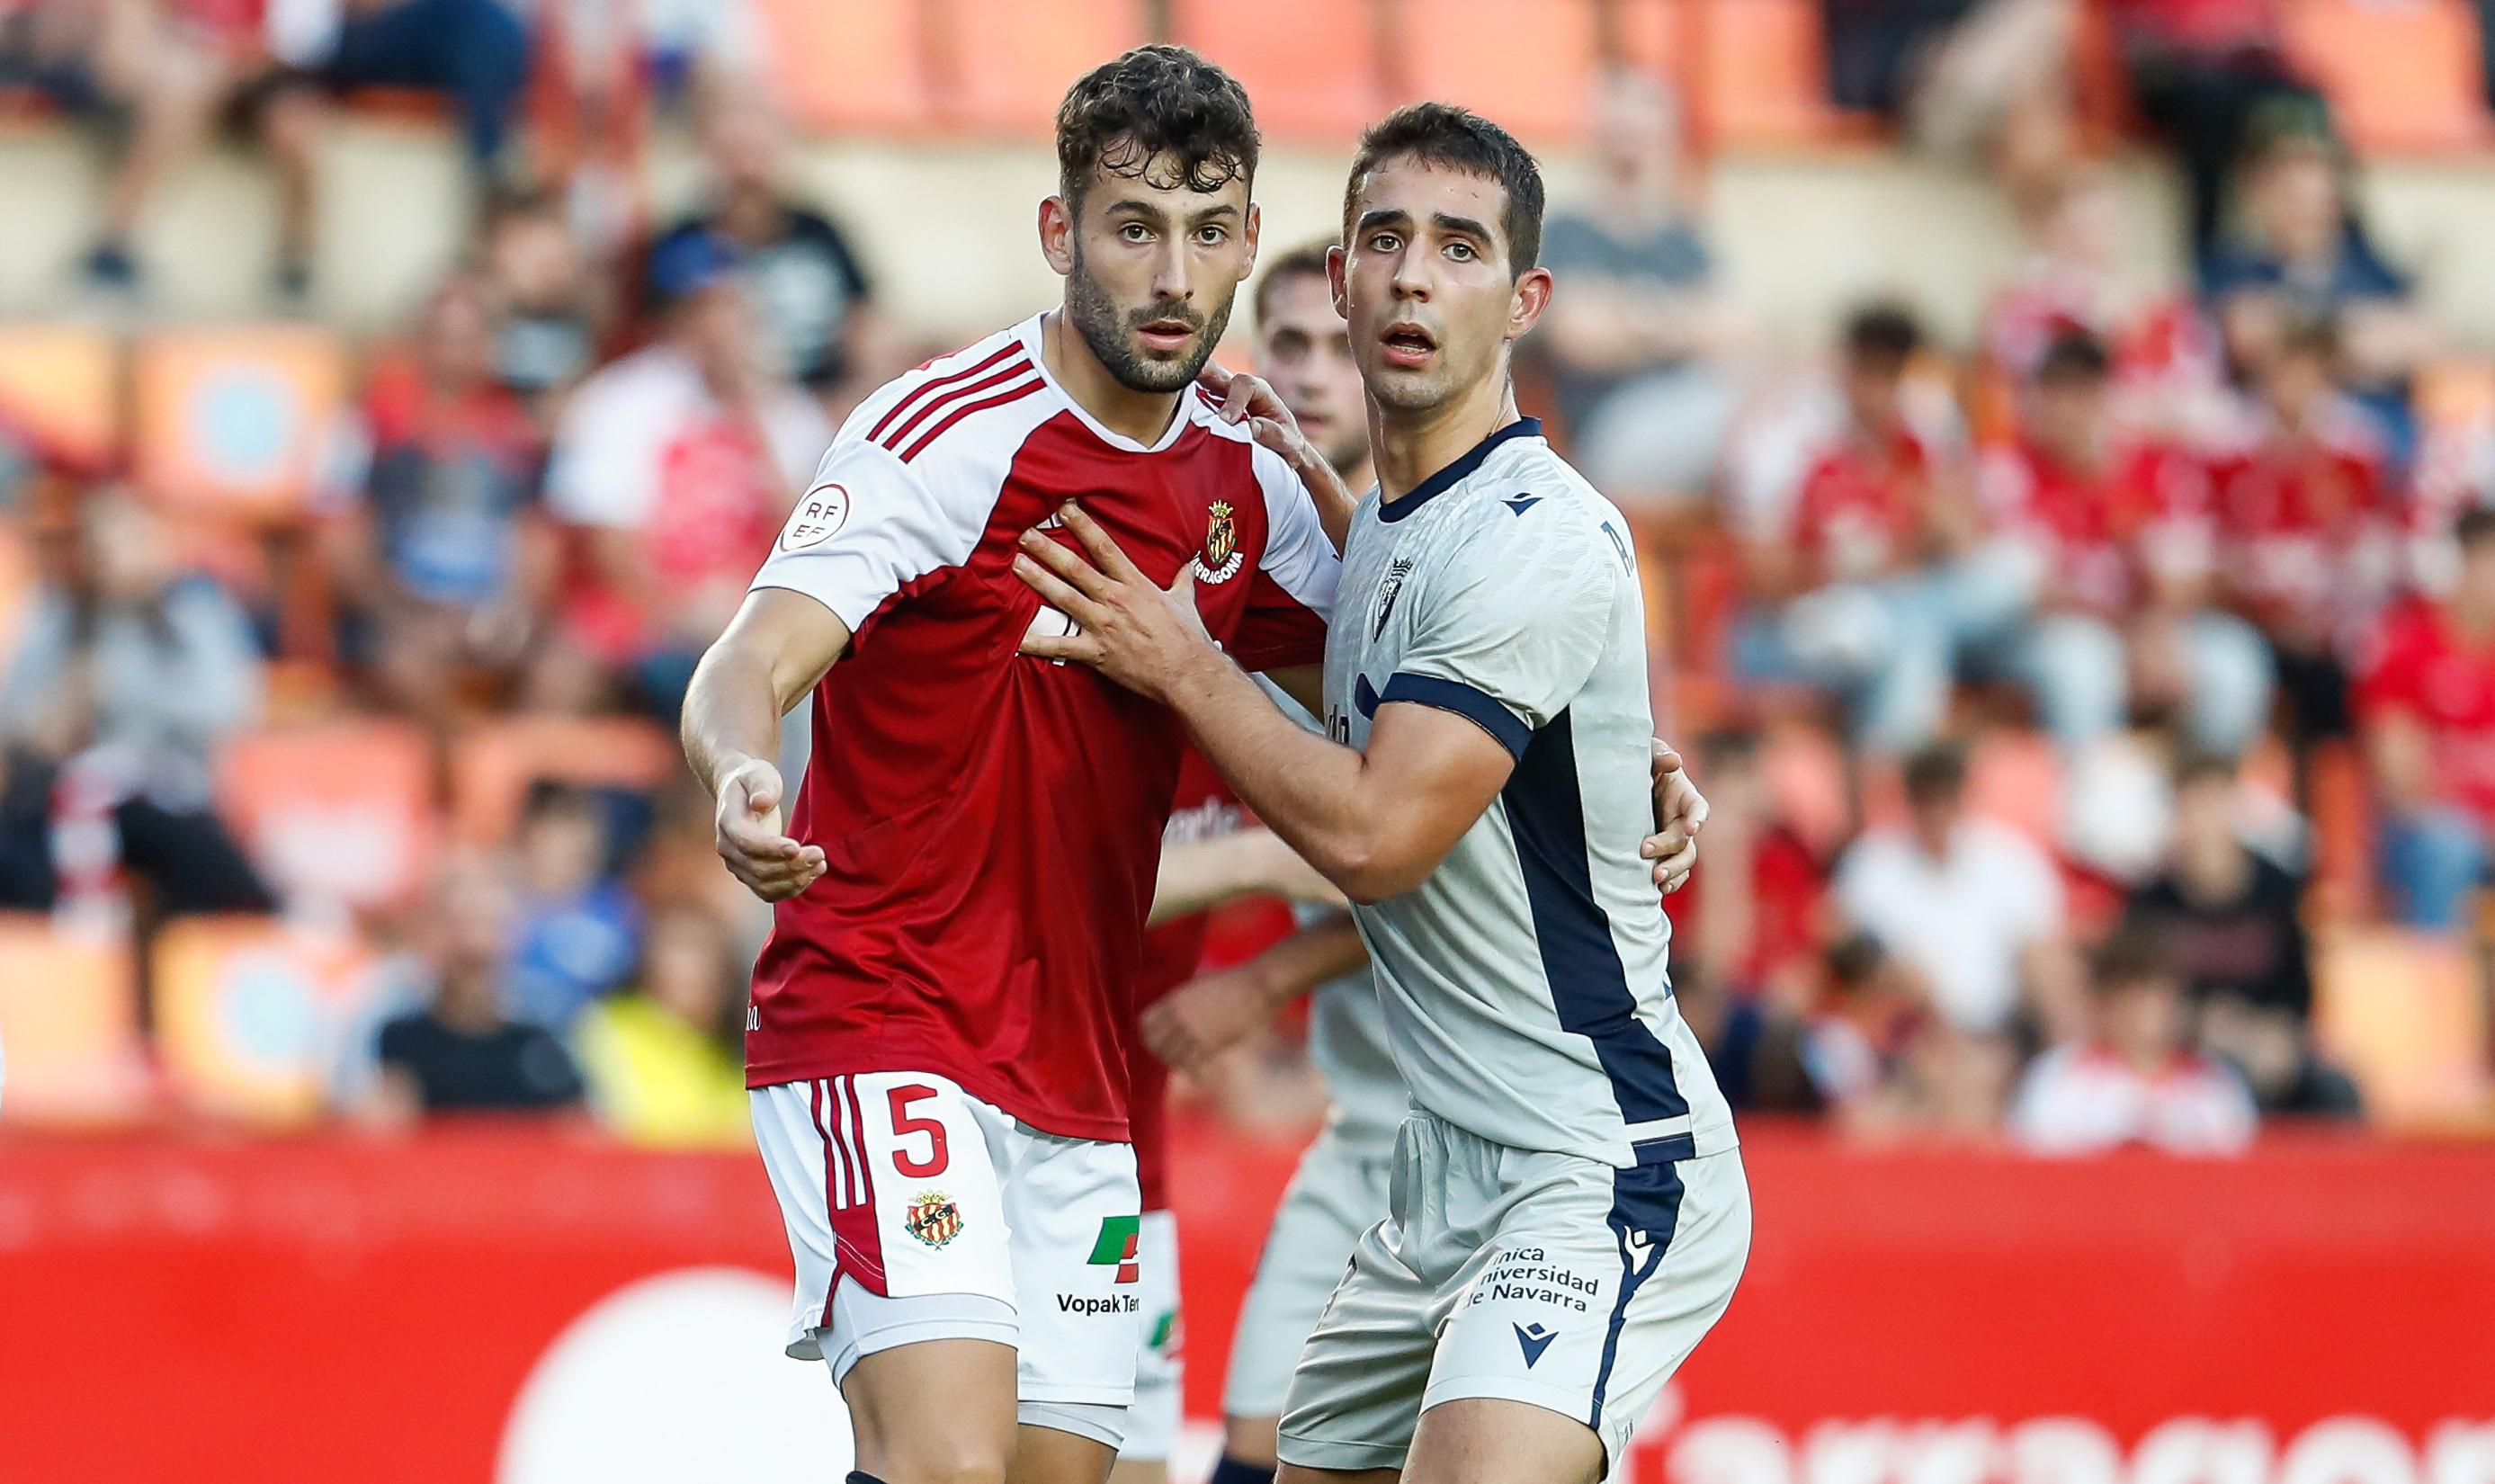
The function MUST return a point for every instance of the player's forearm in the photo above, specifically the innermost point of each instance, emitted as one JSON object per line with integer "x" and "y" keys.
{"x": 731, "y": 714}
{"x": 1321, "y": 951}
{"x": 1200, "y": 875}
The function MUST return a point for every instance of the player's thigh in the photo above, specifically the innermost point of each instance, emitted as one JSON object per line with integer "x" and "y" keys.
{"x": 969, "y": 1439}
{"x": 1075, "y": 1214}
{"x": 1595, "y": 1284}
{"x": 1293, "y": 1474}
{"x": 1339, "y": 1191}
{"x": 1045, "y": 1452}
{"x": 1487, "y": 1441}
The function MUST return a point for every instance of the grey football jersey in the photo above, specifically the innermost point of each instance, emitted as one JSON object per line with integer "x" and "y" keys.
{"x": 1524, "y": 982}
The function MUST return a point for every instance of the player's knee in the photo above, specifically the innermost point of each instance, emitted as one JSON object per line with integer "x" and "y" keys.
{"x": 1251, "y": 1440}
{"x": 941, "y": 1461}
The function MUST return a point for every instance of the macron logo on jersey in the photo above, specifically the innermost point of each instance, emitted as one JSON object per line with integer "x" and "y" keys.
{"x": 1523, "y": 502}
{"x": 1533, "y": 1340}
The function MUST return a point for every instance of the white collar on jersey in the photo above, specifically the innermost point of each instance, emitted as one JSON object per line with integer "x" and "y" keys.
{"x": 1034, "y": 341}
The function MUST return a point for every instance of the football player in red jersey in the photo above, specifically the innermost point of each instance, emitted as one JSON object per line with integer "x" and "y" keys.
{"x": 938, "y": 1041}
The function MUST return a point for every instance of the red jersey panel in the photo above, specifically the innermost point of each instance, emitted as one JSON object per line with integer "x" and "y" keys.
{"x": 2416, "y": 665}
{"x": 1204, "y": 809}
{"x": 2304, "y": 522}
{"x": 2105, "y": 532}
{"x": 992, "y": 822}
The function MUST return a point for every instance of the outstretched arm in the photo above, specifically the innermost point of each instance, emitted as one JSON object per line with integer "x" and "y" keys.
{"x": 1207, "y": 1015}
{"x": 778, "y": 646}
{"x": 1203, "y": 874}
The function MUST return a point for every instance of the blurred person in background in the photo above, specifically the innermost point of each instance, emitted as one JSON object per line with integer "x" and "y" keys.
{"x": 1971, "y": 906}
{"x": 2120, "y": 535}
{"x": 2426, "y": 698}
{"x": 676, "y": 465}
{"x": 811, "y": 295}
{"x": 2230, "y": 916}
{"x": 2130, "y": 1075}
{"x": 129, "y": 672}
{"x": 576, "y": 929}
{"x": 664, "y": 1060}
{"x": 1637, "y": 345}
{"x": 1974, "y": 80}
{"x": 547, "y": 309}
{"x": 444, "y": 570}
{"x": 1750, "y": 918}
{"x": 1873, "y": 564}
{"x": 462, "y": 1052}
{"x": 2306, "y": 541}
{"x": 2303, "y": 255}
{"x": 2202, "y": 74}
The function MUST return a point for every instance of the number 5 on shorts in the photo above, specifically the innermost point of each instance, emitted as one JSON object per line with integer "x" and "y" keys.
{"x": 904, "y": 1124}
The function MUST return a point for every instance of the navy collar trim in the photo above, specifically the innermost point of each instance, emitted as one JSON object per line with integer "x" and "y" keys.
{"x": 1446, "y": 479}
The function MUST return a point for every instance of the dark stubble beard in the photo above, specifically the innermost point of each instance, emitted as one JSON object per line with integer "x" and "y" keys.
{"x": 1109, "y": 334}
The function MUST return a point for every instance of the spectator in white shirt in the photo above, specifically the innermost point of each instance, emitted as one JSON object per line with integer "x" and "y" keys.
{"x": 2132, "y": 1078}
{"x": 1973, "y": 906}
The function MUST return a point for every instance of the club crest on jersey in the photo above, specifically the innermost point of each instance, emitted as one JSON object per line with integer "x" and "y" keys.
{"x": 1221, "y": 556}
{"x": 1387, "y": 591}
{"x": 820, "y": 515}
{"x": 933, "y": 1218}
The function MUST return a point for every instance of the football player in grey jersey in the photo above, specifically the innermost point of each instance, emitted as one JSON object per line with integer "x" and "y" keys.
{"x": 1568, "y": 1213}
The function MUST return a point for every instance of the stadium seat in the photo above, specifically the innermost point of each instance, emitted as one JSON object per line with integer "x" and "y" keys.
{"x": 492, "y": 769}
{"x": 342, "y": 813}
{"x": 60, "y": 392}
{"x": 1760, "y": 74}
{"x": 251, "y": 1015}
{"x": 861, "y": 64}
{"x": 1012, "y": 60}
{"x": 68, "y": 1018}
{"x": 1650, "y": 34}
{"x": 1310, "y": 67}
{"x": 2401, "y": 74}
{"x": 236, "y": 420}
{"x": 1536, "y": 78}
{"x": 2402, "y": 1012}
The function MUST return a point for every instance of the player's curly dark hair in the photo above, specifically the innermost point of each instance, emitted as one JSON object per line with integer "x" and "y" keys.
{"x": 1156, "y": 103}
{"x": 1461, "y": 139}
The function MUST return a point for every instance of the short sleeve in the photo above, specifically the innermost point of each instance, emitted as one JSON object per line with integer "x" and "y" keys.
{"x": 1508, "y": 630}
{"x": 866, "y": 526}
{"x": 1293, "y": 590}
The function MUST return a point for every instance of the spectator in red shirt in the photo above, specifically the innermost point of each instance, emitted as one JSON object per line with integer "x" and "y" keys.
{"x": 2306, "y": 544}
{"x": 1875, "y": 560}
{"x": 2427, "y": 701}
{"x": 2120, "y": 530}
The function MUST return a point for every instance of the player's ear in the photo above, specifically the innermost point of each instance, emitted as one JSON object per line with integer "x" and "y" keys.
{"x": 1336, "y": 270}
{"x": 1057, "y": 234}
{"x": 1255, "y": 222}
{"x": 1532, "y": 295}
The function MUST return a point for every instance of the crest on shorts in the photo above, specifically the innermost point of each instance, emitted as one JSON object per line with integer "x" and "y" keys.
{"x": 1221, "y": 556}
{"x": 933, "y": 1218}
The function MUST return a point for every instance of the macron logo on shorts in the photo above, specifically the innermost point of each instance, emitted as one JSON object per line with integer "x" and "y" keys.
{"x": 1533, "y": 1340}
{"x": 1117, "y": 1244}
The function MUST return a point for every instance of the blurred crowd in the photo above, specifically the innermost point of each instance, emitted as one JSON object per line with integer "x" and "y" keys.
{"x": 2186, "y": 548}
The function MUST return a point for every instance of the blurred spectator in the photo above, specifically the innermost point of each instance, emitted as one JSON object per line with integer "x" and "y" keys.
{"x": 444, "y": 570}
{"x": 2304, "y": 255}
{"x": 2202, "y": 74}
{"x": 2120, "y": 535}
{"x": 1748, "y": 915}
{"x": 2306, "y": 545}
{"x": 2271, "y": 1049}
{"x": 2427, "y": 699}
{"x": 1637, "y": 339}
{"x": 1969, "y": 79}
{"x": 1873, "y": 563}
{"x": 576, "y": 929}
{"x": 1969, "y": 905}
{"x": 462, "y": 1053}
{"x": 678, "y": 463}
{"x": 665, "y": 1061}
{"x": 2132, "y": 1076}
{"x": 128, "y": 673}
{"x": 547, "y": 312}
{"x": 2230, "y": 918}
{"x": 1834, "y": 1049}
{"x": 811, "y": 297}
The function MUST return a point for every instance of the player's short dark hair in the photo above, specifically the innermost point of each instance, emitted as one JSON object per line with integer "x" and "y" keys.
{"x": 1156, "y": 101}
{"x": 1884, "y": 332}
{"x": 2200, "y": 767}
{"x": 2476, "y": 526}
{"x": 1854, "y": 961}
{"x": 2315, "y": 335}
{"x": 2075, "y": 360}
{"x": 1306, "y": 260}
{"x": 1935, "y": 773}
{"x": 1461, "y": 139}
{"x": 2128, "y": 957}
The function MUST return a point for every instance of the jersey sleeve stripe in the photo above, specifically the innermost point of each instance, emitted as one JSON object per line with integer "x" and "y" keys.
{"x": 1478, "y": 707}
{"x": 961, "y": 411}
{"x": 1018, "y": 367}
{"x": 936, "y": 385}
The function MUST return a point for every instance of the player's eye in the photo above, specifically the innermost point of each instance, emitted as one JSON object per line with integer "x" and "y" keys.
{"x": 1385, "y": 242}
{"x": 1461, "y": 252}
{"x": 1212, "y": 236}
{"x": 1135, "y": 231}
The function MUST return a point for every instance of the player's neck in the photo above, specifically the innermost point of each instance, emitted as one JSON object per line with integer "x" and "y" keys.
{"x": 1410, "y": 447}
{"x": 1142, "y": 415}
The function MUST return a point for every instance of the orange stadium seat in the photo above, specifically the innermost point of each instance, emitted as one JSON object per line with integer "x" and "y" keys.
{"x": 2402, "y": 1012}
{"x": 250, "y": 1014}
{"x": 2402, "y": 75}
{"x": 1012, "y": 60}
{"x": 1534, "y": 79}
{"x": 1652, "y": 34}
{"x": 1310, "y": 67}
{"x": 341, "y": 813}
{"x": 61, "y": 390}
{"x": 492, "y": 767}
{"x": 236, "y": 420}
{"x": 68, "y": 1018}
{"x": 861, "y": 64}
{"x": 1760, "y": 73}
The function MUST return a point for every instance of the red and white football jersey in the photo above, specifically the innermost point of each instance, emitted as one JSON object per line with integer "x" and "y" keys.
{"x": 1203, "y": 809}
{"x": 992, "y": 822}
